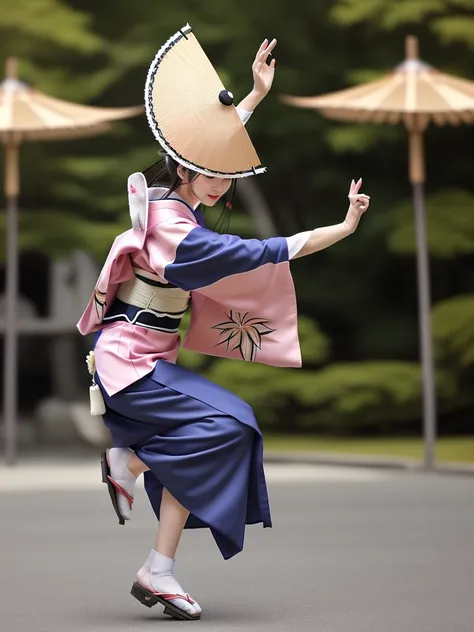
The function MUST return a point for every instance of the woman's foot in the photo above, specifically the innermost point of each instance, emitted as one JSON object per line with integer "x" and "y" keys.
{"x": 156, "y": 584}
{"x": 120, "y": 481}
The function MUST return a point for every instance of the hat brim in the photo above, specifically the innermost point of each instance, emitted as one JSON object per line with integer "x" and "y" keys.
{"x": 187, "y": 117}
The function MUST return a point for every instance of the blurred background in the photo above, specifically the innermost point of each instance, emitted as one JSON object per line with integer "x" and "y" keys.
{"x": 360, "y": 391}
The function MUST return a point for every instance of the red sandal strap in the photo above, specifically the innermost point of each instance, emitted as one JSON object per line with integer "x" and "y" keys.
{"x": 121, "y": 491}
{"x": 171, "y": 596}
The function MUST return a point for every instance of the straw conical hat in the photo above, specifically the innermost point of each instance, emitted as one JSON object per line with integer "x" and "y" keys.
{"x": 192, "y": 115}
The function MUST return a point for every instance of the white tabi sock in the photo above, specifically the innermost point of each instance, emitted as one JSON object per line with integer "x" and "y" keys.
{"x": 118, "y": 459}
{"x": 161, "y": 577}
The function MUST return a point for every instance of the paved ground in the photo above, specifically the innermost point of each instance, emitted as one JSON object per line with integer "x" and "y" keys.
{"x": 352, "y": 550}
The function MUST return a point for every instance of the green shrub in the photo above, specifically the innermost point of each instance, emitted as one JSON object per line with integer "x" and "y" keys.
{"x": 453, "y": 332}
{"x": 382, "y": 396}
{"x": 341, "y": 398}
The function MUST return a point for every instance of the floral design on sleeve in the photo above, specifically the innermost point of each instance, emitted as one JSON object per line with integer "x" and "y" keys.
{"x": 244, "y": 333}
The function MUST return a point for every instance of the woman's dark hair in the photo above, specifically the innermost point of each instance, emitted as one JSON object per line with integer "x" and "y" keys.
{"x": 164, "y": 173}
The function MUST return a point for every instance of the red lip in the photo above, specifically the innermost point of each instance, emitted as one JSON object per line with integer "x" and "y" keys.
{"x": 213, "y": 197}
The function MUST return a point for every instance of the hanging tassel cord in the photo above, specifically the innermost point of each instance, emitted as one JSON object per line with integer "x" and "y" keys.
{"x": 97, "y": 403}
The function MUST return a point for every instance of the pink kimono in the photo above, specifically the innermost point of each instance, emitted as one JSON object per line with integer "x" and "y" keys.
{"x": 242, "y": 292}
{"x": 200, "y": 441}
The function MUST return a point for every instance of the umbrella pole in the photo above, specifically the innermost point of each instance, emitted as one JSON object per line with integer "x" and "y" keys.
{"x": 10, "y": 338}
{"x": 417, "y": 178}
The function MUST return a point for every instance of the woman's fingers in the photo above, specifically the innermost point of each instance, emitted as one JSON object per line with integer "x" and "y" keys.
{"x": 263, "y": 54}
{"x": 262, "y": 47}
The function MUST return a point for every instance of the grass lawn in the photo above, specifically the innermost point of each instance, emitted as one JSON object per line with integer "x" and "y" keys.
{"x": 454, "y": 449}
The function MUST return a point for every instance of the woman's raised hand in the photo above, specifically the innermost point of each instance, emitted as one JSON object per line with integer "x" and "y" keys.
{"x": 263, "y": 73}
{"x": 359, "y": 203}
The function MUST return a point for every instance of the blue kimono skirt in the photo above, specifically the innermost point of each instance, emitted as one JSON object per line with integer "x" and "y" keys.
{"x": 201, "y": 442}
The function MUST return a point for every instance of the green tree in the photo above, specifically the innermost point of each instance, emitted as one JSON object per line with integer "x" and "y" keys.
{"x": 360, "y": 292}
{"x": 48, "y": 36}
{"x": 445, "y": 31}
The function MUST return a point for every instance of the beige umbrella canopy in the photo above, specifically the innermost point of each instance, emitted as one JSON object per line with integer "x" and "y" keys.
{"x": 29, "y": 115}
{"x": 416, "y": 94}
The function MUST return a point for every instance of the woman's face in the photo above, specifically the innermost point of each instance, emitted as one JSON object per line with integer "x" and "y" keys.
{"x": 204, "y": 189}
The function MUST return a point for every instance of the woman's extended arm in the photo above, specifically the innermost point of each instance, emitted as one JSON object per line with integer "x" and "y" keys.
{"x": 312, "y": 241}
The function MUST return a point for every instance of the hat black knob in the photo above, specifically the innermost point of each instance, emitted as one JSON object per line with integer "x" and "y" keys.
{"x": 226, "y": 97}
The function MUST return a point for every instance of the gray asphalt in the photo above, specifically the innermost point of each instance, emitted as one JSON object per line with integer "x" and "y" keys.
{"x": 389, "y": 555}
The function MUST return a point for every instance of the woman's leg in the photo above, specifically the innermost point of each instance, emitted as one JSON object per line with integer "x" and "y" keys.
{"x": 136, "y": 466}
{"x": 173, "y": 517}
{"x": 157, "y": 575}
